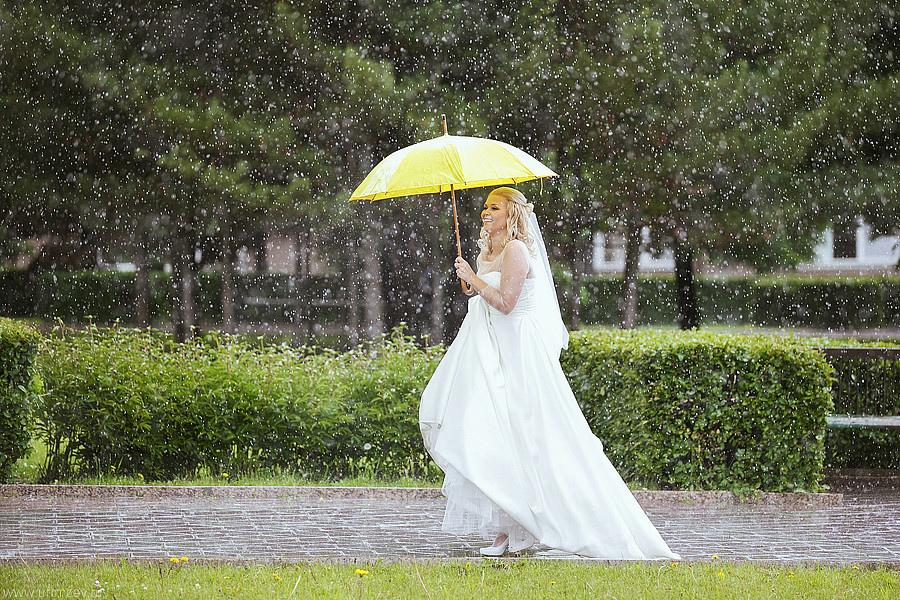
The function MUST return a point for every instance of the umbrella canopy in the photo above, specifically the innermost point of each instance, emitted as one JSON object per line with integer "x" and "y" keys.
{"x": 446, "y": 163}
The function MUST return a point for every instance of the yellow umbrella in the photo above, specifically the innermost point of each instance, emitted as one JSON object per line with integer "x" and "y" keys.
{"x": 446, "y": 164}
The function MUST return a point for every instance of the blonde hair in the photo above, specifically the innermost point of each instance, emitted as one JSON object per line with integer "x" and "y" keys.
{"x": 518, "y": 211}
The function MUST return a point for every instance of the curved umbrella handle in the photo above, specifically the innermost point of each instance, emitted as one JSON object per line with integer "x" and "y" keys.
{"x": 467, "y": 289}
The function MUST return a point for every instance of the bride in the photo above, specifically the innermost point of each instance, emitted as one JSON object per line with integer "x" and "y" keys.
{"x": 520, "y": 462}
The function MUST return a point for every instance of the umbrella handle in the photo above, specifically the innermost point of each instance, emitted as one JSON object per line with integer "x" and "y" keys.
{"x": 467, "y": 289}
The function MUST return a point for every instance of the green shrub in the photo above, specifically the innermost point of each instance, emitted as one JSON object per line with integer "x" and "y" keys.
{"x": 892, "y": 303}
{"x": 863, "y": 387}
{"x": 16, "y": 293}
{"x": 101, "y": 296}
{"x": 790, "y": 300}
{"x": 849, "y": 303}
{"x": 600, "y": 300}
{"x": 847, "y": 448}
{"x": 18, "y": 349}
{"x": 726, "y": 300}
{"x": 108, "y": 297}
{"x": 382, "y": 388}
{"x": 702, "y": 411}
{"x": 134, "y": 402}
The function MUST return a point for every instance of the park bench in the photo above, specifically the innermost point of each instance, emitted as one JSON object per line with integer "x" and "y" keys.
{"x": 867, "y": 388}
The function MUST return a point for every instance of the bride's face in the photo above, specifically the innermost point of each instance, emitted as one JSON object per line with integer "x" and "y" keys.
{"x": 494, "y": 214}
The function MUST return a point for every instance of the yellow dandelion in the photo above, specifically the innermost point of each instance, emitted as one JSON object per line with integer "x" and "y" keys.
{"x": 854, "y": 567}
{"x": 225, "y": 475}
{"x": 173, "y": 559}
{"x": 715, "y": 557}
{"x": 140, "y": 475}
{"x": 184, "y": 559}
{"x": 720, "y": 575}
{"x": 362, "y": 572}
{"x": 552, "y": 583}
{"x": 275, "y": 575}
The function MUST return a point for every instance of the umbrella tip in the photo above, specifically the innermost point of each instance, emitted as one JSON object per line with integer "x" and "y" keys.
{"x": 444, "y": 121}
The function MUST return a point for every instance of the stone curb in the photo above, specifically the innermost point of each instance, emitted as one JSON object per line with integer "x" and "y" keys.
{"x": 647, "y": 499}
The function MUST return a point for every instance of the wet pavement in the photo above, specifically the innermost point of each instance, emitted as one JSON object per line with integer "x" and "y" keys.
{"x": 38, "y": 525}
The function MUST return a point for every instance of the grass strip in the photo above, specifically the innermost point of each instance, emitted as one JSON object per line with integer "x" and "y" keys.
{"x": 180, "y": 577}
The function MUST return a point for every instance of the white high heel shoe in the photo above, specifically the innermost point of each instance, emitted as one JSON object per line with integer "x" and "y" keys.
{"x": 496, "y": 549}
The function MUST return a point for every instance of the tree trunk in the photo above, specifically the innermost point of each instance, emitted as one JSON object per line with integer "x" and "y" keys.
{"x": 581, "y": 264}
{"x": 184, "y": 311}
{"x": 353, "y": 305}
{"x": 686, "y": 291}
{"x": 633, "y": 244}
{"x": 228, "y": 259}
{"x": 142, "y": 279}
{"x": 189, "y": 289}
{"x": 303, "y": 312}
{"x": 575, "y": 295}
{"x": 440, "y": 264}
{"x": 176, "y": 259}
{"x": 259, "y": 250}
{"x": 373, "y": 299}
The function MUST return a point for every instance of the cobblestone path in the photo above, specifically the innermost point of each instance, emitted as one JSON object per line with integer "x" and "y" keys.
{"x": 41, "y": 527}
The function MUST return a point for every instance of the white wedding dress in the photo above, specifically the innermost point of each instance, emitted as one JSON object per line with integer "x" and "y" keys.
{"x": 518, "y": 456}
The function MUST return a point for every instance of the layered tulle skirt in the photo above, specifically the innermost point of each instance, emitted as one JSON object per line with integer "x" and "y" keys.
{"x": 500, "y": 419}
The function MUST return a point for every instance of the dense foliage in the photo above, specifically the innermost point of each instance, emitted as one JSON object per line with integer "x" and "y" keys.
{"x": 134, "y": 402}
{"x": 818, "y": 302}
{"x": 702, "y": 411}
{"x": 864, "y": 387}
{"x": 183, "y": 132}
{"x": 685, "y": 411}
{"x": 865, "y": 449}
{"x": 105, "y": 297}
{"x": 18, "y": 350}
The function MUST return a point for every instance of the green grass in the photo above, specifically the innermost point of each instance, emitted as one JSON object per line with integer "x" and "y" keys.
{"x": 432, "y": 580}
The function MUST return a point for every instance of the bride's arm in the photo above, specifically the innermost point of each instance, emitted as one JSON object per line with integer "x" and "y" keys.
{"x": 512, "y": 278}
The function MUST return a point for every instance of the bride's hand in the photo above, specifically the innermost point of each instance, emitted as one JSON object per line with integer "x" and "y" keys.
{"x": 463, "y": 270}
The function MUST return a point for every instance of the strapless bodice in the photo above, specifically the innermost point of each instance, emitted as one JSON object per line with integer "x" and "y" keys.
{"x": 526, "y": 304}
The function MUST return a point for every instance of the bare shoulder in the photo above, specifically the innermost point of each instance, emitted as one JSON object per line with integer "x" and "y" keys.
{"x": 517, "y": 246}
{"x": 516, "y": 258}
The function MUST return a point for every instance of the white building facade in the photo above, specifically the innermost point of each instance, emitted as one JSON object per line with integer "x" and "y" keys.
{"x": 845, "y": 251}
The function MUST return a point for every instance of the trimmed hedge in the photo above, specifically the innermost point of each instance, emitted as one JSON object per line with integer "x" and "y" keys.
{"x": 18, "y": 349}
{"x": 688, "y": 410}
{"x": 675, "y": 410}
{"x": 134, "y": 402}
{"x": 108, "y": 297}
{"x": 862, "y": 449}
{"x": 852, "y": 303}
{"x": 791, "y": 300}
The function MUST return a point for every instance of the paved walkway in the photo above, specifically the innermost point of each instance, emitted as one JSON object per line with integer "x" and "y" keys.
{"x": 297, "y": 524}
